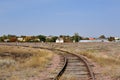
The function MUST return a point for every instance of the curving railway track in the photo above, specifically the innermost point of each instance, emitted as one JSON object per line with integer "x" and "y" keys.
{"x": 72, "y": 67}
{"x": 77, "y": 68}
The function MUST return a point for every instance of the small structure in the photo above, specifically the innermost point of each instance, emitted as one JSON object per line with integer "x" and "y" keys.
{"x": 6, "y": 40}
{"x": 97, "y": 40}
{"x": 60, "y": 40}
{"x": 20, "y": 39}
{"x": 91, "y": 38}
{"x": 117, "y": 39}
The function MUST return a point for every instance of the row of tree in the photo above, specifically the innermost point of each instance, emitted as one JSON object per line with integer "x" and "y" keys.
{"x": 42, "y": 38}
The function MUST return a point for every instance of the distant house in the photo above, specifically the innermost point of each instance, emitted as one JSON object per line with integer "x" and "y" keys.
{"x": 117, "y": 39}
{"x": 95, "y": 40}
{"x": 102, "y": 40}
{"x": 59, "y": 40}
{"x": 6, "y": 40}
{"x": 20, "y": 39}
{"x": 91, "y": 38}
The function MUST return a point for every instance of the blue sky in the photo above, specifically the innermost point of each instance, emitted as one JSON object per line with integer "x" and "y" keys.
{"x": 56, "y": 17}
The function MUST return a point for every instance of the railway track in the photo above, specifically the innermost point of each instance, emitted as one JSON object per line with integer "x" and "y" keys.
{"x": 72, "y": 67}
{"x": 78, "y": 68}
{"x": 75, "y": 68}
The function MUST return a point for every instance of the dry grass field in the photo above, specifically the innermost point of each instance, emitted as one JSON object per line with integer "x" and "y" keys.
{"x": 19, "y": 63}
{"x": 104, "y": 56}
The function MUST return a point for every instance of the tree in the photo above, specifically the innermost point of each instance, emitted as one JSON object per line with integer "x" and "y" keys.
{"x": 52, "y": 39}
{"x": 102, "y": 37}
{"x": 2, "y": 38}
{"x": 42, "y": 38}
{"x": 86, "y": 38}
{"x": 76, "y": 37}
{"x": 111, "y": 38}
{"x": 66, "y": 38}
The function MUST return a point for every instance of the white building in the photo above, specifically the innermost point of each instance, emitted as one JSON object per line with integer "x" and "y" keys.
{"x": 98, "y": 40}
{"x": 117, "y": 39}
{"x": 6, "y": 40}
{"x": 20, "y": 39}
{"x": 59, "y": 40}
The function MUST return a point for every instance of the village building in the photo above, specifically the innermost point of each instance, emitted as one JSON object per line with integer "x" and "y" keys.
{"x": 94, "y": 40}
{"x": 6, "y": 40}
{"x": 117, "y": 39}
{"x": 59, "y": 40}
{"x": 20, "y": 39}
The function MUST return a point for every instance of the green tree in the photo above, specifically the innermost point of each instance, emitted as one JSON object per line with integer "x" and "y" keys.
{"x": 66, "y": 38}
{"x": 111, "y": 38}
{"x": 52, "y": 39}
{"x": 76, "y": 37}
{"x": 2, "y": 38}
{"x": 42, "y": 38}
{"x": 86, "y": 38}
{"x": 102, "y": 37}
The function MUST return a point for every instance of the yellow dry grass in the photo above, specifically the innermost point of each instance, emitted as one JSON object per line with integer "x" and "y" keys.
{"x": 104, "y": 55}
{"x": 101, "y": 59}
{"x": 28, "y": 61}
